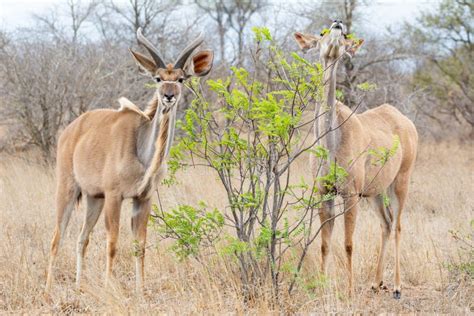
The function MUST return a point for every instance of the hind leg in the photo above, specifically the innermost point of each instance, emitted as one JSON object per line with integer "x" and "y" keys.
{"x": 94, "y": 208}
{"x": 67, "y": 195}
{"x": 401, "y": 193}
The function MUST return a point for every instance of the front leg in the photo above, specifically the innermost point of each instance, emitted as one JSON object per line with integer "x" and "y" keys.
{"x": 141, "y": 212}
{"x": 350, "y": 216}
{"x": 326, "y": 215}
{"x": 111, "y": 210}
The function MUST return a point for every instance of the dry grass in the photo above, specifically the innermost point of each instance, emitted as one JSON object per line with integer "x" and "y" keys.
{"x": 441, "y": 200}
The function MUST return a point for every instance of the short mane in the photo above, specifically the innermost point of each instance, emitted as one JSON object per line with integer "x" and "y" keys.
{"x": 127, "y": 105}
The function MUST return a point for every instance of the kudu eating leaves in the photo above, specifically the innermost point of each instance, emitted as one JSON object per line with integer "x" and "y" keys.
{"x": 350, "y": 140}
{"x": 109, "y": 155}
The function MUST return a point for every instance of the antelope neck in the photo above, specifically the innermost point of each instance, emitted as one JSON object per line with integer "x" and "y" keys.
{"x": 148, "y": 133}
{"x": 326, "y": 121}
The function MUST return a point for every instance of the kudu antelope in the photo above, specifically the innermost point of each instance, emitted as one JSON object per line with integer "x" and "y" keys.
{"x": 350, "y": 138}
{"x": 109, "y": 155}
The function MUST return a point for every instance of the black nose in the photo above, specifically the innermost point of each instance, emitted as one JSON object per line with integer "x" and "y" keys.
{"x": 169, "y": 96}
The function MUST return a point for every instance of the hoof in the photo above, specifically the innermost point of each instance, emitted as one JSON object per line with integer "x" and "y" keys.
{"x": 381, "y": 286}
{"x": 397, "y": 294}
{"x": 79, "y": 290}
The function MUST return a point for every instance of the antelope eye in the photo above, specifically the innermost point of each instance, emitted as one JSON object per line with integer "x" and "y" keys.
{"x": 158, "y": 79}
{"x": 181, "y": 80}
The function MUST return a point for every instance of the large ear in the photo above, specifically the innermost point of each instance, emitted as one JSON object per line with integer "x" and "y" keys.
{"x": 306, "y": 41}
{"x": 146, "y": 65}
{"x": 202, "y": 63}
{"x": 352, "y": 46}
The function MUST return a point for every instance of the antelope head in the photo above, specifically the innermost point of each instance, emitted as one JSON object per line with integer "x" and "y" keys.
{"x": 170, "y": 77}
{"x": 332, "y": 45}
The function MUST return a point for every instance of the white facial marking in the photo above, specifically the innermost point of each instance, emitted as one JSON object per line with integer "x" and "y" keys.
{"x": 335, "y": 33}
{"x": 169, "y": 103}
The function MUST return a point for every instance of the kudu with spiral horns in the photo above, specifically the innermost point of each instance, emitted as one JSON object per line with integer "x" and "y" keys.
{"x": 107, "y": 156}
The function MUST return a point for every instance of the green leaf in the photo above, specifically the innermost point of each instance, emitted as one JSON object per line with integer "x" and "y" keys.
{"x": 367, "y": 86}
{"x": 190, "y": 227}
{"x": 261, "y": 33}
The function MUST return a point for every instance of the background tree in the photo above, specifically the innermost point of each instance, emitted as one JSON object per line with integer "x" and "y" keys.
{"x": 424, "y": 69}
{"x": 443, "y": 45}
{"x": 235, "y": 16}
{"x": 122, "y": 20}
{"x": 376, "y": 63}
{"x": 215, "y": 11}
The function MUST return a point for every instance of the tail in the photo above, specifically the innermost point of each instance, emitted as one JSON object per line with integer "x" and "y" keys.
{"x": 158, "y": 155}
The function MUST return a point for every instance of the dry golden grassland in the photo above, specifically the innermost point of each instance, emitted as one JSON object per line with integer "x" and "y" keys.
{"x": 441, "y": 201}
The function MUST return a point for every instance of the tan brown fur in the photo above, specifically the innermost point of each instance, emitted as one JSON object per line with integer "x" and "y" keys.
{"x": 350, "y": 144}
{"x": 107, "y": 156}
